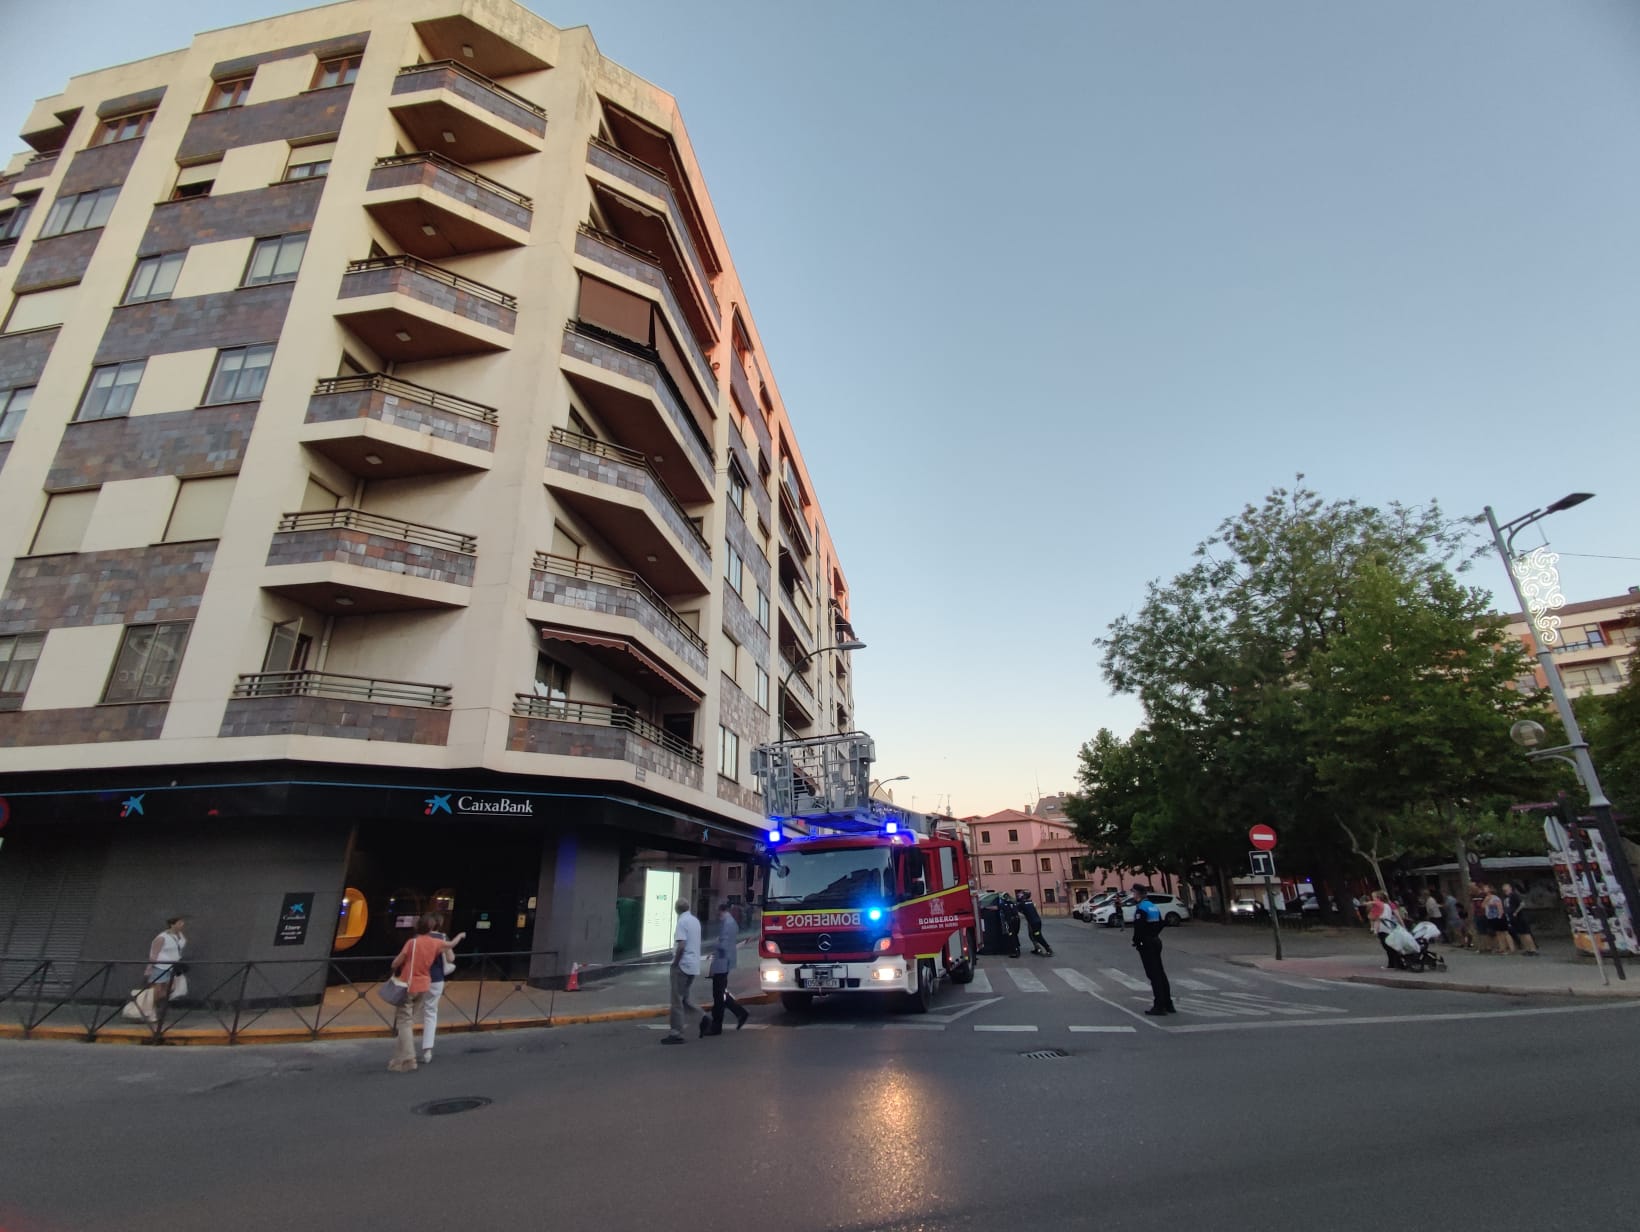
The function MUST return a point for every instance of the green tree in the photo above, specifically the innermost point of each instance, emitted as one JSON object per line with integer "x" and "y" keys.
{"x": 1612, "y": 728}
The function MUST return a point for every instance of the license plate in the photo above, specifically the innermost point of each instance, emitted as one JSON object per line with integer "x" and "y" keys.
{"x": 821, "y": 977}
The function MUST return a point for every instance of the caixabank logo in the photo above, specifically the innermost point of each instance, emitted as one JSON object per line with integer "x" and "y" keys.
{"x": 472, "y": 805}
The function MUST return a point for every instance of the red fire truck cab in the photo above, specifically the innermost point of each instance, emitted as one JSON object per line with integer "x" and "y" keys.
{"x": 882, "y": 912}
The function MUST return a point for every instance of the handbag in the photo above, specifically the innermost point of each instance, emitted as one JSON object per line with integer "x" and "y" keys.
{"x": 396, "y": 991}
{"x": 140, "y": 1008}
{"x": 179, "y": 986}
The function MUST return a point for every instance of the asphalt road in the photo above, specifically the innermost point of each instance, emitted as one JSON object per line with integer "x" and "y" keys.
{"x": 1269, "y": 1103}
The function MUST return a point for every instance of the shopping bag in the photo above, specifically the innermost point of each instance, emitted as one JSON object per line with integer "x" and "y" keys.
{"x": 1401, "y": 941}
{"x": 140, "y": 1008}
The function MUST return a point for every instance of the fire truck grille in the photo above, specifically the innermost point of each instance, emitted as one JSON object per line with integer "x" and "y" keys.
{"x": 808, "y": 945}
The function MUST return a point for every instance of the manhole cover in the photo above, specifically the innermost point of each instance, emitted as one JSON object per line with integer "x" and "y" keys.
{"x": 446, "y": 1107}
{"x": 1045, "y": 1054}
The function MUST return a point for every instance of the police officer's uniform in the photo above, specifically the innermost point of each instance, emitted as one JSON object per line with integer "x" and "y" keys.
{"x": 1147, "y": 939}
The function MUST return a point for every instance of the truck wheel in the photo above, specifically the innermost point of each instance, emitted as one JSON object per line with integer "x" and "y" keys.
{"x": 796, "y": 1002}
{"x": 962, "y": 970}
{"x": 923, "y": 999}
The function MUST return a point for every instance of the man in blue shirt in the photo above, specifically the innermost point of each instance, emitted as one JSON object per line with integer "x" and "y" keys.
{"x": 1147, "y": 939}
{"x": 723, "y": 962}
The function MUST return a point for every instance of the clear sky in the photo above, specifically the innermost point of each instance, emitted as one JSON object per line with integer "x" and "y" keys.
{"x": 1051, "y": 288}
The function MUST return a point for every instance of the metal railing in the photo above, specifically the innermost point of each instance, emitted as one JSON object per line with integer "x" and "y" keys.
{"x": 603, "y": 714}
{"x": 279, "y": 999}
{"x": 668, "y": 287}
{"x": 375, "y": 524}
{"x": 630, "y": 457}
{"x": 624, "y": 579}
{"x": 461, "y": 70}
{"x": 347, "y": 688}
{"x": 460, "y": 172}
{"x": 436, "y": 273}
{"x": 663, "y": 189}
{"x": 652, "y": 357}
{"x": 379, "y": 382}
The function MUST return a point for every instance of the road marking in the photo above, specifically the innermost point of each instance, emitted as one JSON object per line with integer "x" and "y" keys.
{"x": 1207, "y": 1007}
{"x": 1226, "y": 977}
{"x": 1128, "y": 981}
{"x": 825, "y": 1026}
{"x": 1106, "y": 1030}
{"x": 1026, "y": 980}
{"x": 1397, "y": 1019}
{"x": 1284, "y": 1007}
{"x": 914, "y": 1026}
{"x": 994, "y": 1028}
{"x": 1179, "y": 981}
{"x": 1305, "y": 985}
{"x": 981, "y": 983}
{"x": 755, "y": 1026}
{"x": 1076, "y": 980}
{"x": 967, "y": 1009}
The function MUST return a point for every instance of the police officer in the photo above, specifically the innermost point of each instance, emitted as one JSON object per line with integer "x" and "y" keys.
{"x": 1010, "y": 925}
{"x": 1033, "y": 924}
{"x": 1147, "y": 939}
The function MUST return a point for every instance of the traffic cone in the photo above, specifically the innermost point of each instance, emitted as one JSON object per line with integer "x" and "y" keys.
{"x": 574, "y": 984}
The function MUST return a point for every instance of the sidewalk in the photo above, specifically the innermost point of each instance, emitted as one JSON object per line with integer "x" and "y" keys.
{"x": 1558, "y": 972}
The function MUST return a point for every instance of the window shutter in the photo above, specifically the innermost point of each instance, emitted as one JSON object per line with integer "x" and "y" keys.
{"x": 63, "y": 526}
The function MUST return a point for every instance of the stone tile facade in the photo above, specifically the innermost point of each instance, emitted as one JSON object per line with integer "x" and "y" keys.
{"x": 589, "y": 596}
{"x": 83, "y": 724}
{"x": 754, "y": 725}
{"x": 127, "y": 586}
{"x": 735, "y": 793}
{"x": 526, "y": 735}
{"x": 389, "y": 408}
{"x": 746, "y": 543}
{"x": 742, "y": 625}
{"x": 57, "y": 262}
{"x": 242, "y": 317}
{"x": 355, "y": 547}
{"x": 408, "y": 281}
{"x": 446, "y": 183}
{"x": 23, "y": 356}
{"x": 317, "y": 113}
{"x": 330, "y": 49}
{"x": 476, "y": 92}
{"x": 209, "y": 441}
{"x": 278, "y": 209}
{"x": 613, "y": 359}
{"x": 656, "y": 186}
{"x": 573, "y": 461}
{"x": 350, "y": 719}
{"x": 99, "y": 166}
{"x": 754, "y": 481}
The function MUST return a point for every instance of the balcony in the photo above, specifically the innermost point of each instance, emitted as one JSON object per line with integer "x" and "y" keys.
{"x": 625, "y": 384}
{"x": 446, "y": 106}
{"x": 622, "y": 495}
{"x": 612, "y": 253}
{"x": 406, "y": 309}
{"x": 623, "y": 173}
{"x": 619, "y": 602}
{"x": 593, "y": 729}
{"x": 435, "y": 208}
{"x": 379, "y": 427}
{"x": 794, "y": 537}
{"x": 798, "y": 705}
{"x": 797, "y": 615}
{"x": 328, "y": 704}
{"x": 347, "y": 560}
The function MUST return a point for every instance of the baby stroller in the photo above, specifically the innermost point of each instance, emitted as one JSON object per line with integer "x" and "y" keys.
{"x": 1424, "y": 933}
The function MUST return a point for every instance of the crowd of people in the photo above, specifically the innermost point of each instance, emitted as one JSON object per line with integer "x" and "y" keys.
{"x": 1495, "y": 921}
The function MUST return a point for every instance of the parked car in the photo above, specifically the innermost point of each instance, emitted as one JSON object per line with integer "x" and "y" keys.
{"x": 1084, "y": 910}
{"x": 1173, "y": 911}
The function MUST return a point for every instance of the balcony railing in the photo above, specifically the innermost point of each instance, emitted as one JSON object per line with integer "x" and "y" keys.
{"x": 378, "y": 382}
{"x": 797, "y": 682}
{"x": 649, "y": 269}
{"x": 461, "y": 70}
{"x": 624, "y": 579}
{"x": 347, "y": 688}
{"x": 375, "y": 524}
{"x": 437, "y": 273}
{"x": 459, "y": 171}
{"x": 653, "y": 181}
{"x": 602, "y": 714}
{"x": 679, "y": 406}
{"x": 633, "y": 458}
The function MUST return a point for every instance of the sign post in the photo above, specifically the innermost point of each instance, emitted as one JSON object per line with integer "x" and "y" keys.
{"x": 1263, "y": 862}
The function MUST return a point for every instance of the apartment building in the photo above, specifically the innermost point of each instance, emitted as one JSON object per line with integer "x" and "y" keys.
{"x": 1596, "y": 644}
{"x": 397, "y": 506}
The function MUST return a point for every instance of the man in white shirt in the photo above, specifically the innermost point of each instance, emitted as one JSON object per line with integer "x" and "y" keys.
{"x": 685, "y": 967}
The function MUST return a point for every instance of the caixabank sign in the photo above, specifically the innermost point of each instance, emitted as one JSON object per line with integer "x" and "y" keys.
{"x": 453, "y": 803}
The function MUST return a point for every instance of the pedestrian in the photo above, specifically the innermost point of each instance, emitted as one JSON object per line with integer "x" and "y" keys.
{"x": 685, "y": 967}
{"x": 1147, "y": 939}
{"x": 1033, "y": 923}
{"x": 1432, "y": 906}
{"x": 413, "y": 964}
{"x": 1117, "y": 915}
{"x": 1496, "y": 924}
{"x": 1452, "y": 917}
{"x": 723, "y": 962}
{"x": 1477, "y": 918}
{"x": 1385, "y": 918}
{"x": 1518, "y": 920}
{"x": 445, "y": 965}
{"x": 164, "y": 973}
{"x": 1009, "y": 913}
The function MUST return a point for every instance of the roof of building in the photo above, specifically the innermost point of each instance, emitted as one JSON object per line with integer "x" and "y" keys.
{"x": 1631, "y": 600}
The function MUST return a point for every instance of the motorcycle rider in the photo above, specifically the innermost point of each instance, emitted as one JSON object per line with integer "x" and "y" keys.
{"x": 1033, "y": 922}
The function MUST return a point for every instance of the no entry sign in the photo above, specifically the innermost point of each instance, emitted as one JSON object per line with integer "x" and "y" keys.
{"x": 1262, "y": 837}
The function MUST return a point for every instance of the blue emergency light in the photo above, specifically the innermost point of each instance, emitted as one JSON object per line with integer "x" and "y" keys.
{"x": 876, "y": 913}
{"x": 892, "y": 827}
{"x": 775, "y": 836}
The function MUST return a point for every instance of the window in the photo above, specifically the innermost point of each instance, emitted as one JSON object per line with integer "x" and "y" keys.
{"x": 681, "y": 725}
{"x": 986, "y": 864}
{"x": 123, "y": 128}
{"x": 734, "y": 872}
{"x": 13, "y": 221}
{"x": 13, "y": 406}
{"x": 342, "y": 72}
{"x": 737, "y": 574}
{"x": 737, "y": 488}
{"x": 240, "y": 374}
{"x": 1013, "y": 836}
{"x": 551, "y": 678}
{"x": 1047, "y": 865}
{"x": 200, "y": 509}
{"x": 1015, "y": 866}
{"x": 763, "y": 607}
{"x": 762, "y": 693}
{"x": 728, "y": 754}
{"x": 308, "y": 171}
{"x": 225, "y": 94}
{"x": 146, "y": 668}
{"x": 985, "y": 836}
{"x": 288, "y": 648}
{"x": 81, "y": 212}
{"x": 275, "y": 260}
{"x": 18, "y": 655}
{"x": 1047, "y": 894}
{"x": 196, "y": 180}
{"x": 111, "y": 390}
{"x": 309, "y": 162}
{"x": 63, "y": 524}
{"x": 154, "y": 278}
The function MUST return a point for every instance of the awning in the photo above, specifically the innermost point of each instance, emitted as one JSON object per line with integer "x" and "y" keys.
{"x": 609, "y": 642}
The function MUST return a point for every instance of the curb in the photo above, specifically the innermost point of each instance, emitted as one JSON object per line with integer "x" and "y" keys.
{"x": 1498, "y": 990}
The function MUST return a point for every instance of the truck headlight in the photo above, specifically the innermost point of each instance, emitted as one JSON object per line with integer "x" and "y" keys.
{"x": 887, "y": 974}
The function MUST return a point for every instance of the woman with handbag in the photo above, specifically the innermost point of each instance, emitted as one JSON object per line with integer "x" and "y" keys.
{"x": 407, "y": 990}
{"x": 1385, "y": 919}
{"x": 443, "y": 967}
{"x": 164, "y": 971}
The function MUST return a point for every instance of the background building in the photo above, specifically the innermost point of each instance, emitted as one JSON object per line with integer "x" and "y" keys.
{"x": 400, "y": 513}
{"x": 1598, "y": 638}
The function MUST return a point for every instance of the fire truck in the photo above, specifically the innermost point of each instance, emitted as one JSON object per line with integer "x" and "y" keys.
{"x": 860, "y": 898}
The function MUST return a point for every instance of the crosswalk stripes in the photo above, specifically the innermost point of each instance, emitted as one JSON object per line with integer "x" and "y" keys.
{"x": 1127, "y": 981}
{"x": 1179, "y": 981}
{"x": 1225, "y": 977}
{"x": 981, "y": 983}
{"x": 1284, "y": 1007}
{"x": 1211, "y": 1007}
{"x": 1103, "y": 1030}
{"x": 1026, "y": 981}
{"x": 1004, "y": 1028}
{"x": 1076, "y": 980}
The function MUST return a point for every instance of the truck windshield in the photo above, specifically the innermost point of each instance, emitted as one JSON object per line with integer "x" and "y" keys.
{"x": 829, "y": 878}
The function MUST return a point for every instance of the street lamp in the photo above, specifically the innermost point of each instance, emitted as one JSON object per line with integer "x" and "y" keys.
{"x": 802, "y": 662}
{"x": 878, "y": 784}
{"x": 1536, "y": 583}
